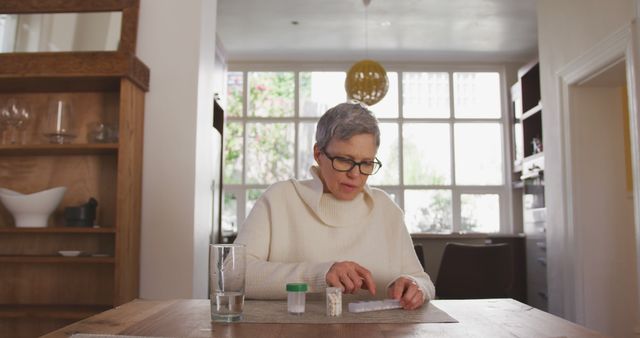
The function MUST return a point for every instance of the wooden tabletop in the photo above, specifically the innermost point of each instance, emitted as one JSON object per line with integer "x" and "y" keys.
{"x": 191, "y": 318}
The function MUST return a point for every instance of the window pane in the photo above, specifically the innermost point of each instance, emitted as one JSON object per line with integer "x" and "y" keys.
{"x": 388, "y": 154}
{"x": 233, "y": 153}
{"x": 271, "y": 94}
{"x": 426, "y": 153}
{"x": 476, "y": 95}
{"x": 252, "y": 198}
{"x": 388, "y": 106}
{"x": 306, "y": 140}
{"x": 234, "y": 94}
{"x": 269, "y": 152}
{"x": 229, "y": 214}
{"x": 425, "y": 95}
{"x": 428, "y": 210}
{"x": 480, "y": 213}
{"x": 320, "y": 91}
{"x": 478, "y": 149}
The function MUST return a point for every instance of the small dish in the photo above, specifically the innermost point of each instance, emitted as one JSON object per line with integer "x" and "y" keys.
{"x": 70, "y": 253}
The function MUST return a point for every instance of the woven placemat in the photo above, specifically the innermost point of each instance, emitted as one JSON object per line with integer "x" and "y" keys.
{"x": 257, "y": 311}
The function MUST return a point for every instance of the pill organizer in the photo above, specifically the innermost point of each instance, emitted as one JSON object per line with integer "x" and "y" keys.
{"x": 374, "y": 305}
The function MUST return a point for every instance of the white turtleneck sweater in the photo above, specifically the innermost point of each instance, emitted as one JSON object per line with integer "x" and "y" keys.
{"x": 295, "y": 232}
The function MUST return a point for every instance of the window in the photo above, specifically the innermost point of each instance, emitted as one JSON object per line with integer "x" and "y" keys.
{"x": 442, "y": 143}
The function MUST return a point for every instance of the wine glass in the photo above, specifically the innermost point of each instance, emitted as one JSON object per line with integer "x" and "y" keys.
{"x": 16, "y": 115}
{"x": 21, "y": 122}
{"x": 5, "y": 116}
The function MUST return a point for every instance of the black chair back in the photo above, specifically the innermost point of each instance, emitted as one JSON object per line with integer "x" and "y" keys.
{"x": 420, "y": 254}
{"x": 475, "y": 271}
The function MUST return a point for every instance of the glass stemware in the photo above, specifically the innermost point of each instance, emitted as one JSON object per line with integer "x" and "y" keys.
{"x": 5, "y": 115}
{"x": 14, "y": 120}
{"x": 60, "y": 124}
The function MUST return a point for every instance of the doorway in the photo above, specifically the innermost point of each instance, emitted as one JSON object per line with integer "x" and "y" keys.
{"x": 601, "y": 208}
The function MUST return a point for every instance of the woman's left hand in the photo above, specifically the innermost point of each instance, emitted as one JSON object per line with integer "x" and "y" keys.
{"x": 408, "y": 292}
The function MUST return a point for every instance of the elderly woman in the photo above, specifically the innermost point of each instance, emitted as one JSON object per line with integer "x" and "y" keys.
{"x": 334, "y": 230}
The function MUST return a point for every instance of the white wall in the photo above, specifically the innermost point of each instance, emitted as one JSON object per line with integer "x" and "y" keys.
{"x": 176, "y": 39}
{"x": 567, "y": 29}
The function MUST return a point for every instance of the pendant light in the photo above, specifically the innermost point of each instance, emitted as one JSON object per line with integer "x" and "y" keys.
{"x": 367, "y": 80}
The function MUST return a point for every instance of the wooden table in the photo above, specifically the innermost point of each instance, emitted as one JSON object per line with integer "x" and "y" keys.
{"x": 190, "y": 318}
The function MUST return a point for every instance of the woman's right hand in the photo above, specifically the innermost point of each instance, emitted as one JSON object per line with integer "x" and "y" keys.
{"x": 351, "y": 277}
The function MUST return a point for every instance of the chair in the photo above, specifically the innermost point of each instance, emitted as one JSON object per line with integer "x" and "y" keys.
{"x": 475, "y": 271}
{"x": 420, "y": 254}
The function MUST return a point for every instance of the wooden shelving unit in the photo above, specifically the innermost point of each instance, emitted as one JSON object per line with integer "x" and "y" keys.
{"x": 42, "y": 290}
{"x": 57, "y": 230}
{"x": 56, "y": 259}
{"x": 528, "y": 174}
{"x": 58, "y": 149}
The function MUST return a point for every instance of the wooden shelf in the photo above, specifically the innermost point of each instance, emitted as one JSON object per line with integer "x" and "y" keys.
{"x": 75, "y": 312}
{"x": 58, "y": 230}
{"x": 57, "y": 259}
{"x": 59, "y": 149}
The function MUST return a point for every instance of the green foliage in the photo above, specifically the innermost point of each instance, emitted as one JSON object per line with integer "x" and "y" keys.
{"x": 437, "y": 214}
{"x": 271, "y": 94}
{"x": 269, "y": 152}
{"x": 232, "y": 168}
{"x": 234, "y": 94}
{"x": 415, "y": 172}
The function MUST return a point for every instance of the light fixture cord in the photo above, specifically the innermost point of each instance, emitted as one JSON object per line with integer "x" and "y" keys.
{"x": 366, "y": 31}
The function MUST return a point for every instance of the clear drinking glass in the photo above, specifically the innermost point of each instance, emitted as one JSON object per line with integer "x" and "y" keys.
{"x": 59, "y": 127}
{"x": 227, "y": 280}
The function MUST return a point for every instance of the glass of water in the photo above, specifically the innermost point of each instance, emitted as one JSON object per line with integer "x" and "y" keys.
{"x": 227, "y": 279}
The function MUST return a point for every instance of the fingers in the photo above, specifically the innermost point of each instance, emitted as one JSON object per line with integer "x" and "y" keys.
{"x": 367, "y": 280}
{"x": 408, "y": 292}
{"x": 351, "y": 277}
{"x": 397, "y": 289}
{"x": 334, "y": 280}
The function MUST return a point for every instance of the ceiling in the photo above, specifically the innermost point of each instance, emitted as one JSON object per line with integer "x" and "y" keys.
{"x": 397, "y": 30}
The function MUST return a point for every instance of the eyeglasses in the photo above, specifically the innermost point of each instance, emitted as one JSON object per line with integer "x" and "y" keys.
{"x": 343, "y": 164}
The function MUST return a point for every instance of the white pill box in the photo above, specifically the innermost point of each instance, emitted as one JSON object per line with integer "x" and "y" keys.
{"x": 374, "y": 305}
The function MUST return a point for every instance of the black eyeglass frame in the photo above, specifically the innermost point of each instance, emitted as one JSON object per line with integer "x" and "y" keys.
{"x": 353, "y": 164}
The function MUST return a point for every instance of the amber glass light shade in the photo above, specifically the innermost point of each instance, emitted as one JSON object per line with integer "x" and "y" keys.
{"x": 367, "y": 82}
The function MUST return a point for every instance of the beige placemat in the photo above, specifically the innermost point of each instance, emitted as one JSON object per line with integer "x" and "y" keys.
{"x": 257, "y": 311}
{"x": 93, "y": 335}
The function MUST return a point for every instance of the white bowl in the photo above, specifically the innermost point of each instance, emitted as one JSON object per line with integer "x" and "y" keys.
{"x": 32, "y": 210}
{"x": 70, "y": 253}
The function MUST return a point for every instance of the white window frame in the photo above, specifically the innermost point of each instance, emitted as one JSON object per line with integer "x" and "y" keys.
{"x": 504, "y": 191}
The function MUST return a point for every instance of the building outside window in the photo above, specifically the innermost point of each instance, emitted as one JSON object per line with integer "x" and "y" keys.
{"x": 443, "y": 143}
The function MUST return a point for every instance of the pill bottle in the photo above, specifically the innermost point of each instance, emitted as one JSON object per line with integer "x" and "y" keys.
{"x": 296, "y": 293}
{"x": 334, "y": 302}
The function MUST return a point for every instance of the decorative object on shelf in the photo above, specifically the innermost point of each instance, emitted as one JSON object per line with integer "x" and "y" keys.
{"x": 367, "y": 80}
{"x": 536, "y": 145}
{"x": 81, "y": 216}
{"x": 70, "y": 253}
{"x": 14, "y": 119}
{"x": 98, "y": 132}
{"x": 59, "y": 127}
{"x": 32, "y": 210}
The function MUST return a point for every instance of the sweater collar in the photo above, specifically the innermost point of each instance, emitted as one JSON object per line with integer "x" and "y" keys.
{"x": 328, "y": 209}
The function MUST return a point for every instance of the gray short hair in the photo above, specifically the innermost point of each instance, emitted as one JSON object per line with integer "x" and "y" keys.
{"x": 345, "y": 121}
